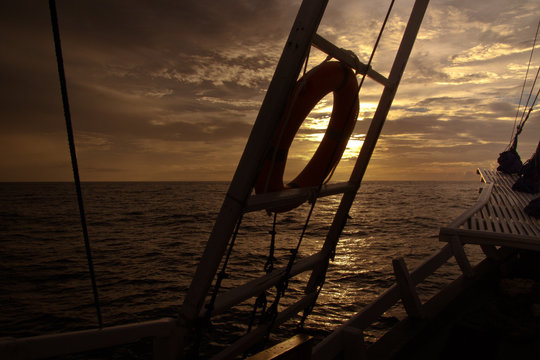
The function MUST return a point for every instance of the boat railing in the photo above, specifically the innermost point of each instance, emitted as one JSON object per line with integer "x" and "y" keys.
{"x": 497, "y": 223}
{"x": 255, "y": 287}
{"x": 163, "y": 332}
{"x": 348, "y": 339}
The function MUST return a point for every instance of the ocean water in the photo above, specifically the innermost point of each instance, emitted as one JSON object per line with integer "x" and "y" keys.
{"x": 147, "y": 239}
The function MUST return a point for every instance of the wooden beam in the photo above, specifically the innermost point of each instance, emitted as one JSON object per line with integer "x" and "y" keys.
{"x": 347, "y": 57}
{"x": 407, "y": 289}
{"x": 274, "y": 103}
{"x": 297, "y": 347}
{"x": 373, "y": 133}
{"x": 431, "y": 265}
{"x": 461, "y": 257}
{"x": 257, "y": 286}
{"x": 354, "y": 347}
{"x": 330, "y": 347}
{"x": 44, "y": 346}
{"x": 490, "y": 251}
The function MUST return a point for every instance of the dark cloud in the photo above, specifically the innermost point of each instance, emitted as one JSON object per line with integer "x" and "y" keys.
{"x": 161, "y": 88}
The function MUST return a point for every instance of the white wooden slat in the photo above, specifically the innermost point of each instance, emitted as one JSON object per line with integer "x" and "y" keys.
{"x": 496, "y": 223}
{"x": 502, "y": 213}
{"x": 482, "y": 221}
{"x": 519, "y": 201}
{"x": 486, "y": 174}
{"x": 515, "y": 211}
{"x": 496, "y": 239}
{"x": 502, "y": 221}
{"x": 468, "y": 224}
{"x": 488, "y": 219}
{"x": 474, "y": 222}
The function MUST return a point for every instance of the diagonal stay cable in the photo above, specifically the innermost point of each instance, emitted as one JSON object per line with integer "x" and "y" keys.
{"x": 521, "y": 123}
{"x": 531, "y": 108}
{"x": 322, "y": 277}
{"x": 283, "y": 283}
{"x": 513, "y": 137}
{"x": 69, "y": 128}
{"x": 368, "y": 66}
{"x": 310, "y": 212}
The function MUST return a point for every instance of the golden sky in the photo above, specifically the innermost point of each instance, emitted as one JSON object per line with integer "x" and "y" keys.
{"x": 169, "y": 90}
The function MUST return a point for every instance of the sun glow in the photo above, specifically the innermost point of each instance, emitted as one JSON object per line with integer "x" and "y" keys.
{"x": 353, "y": 146}
{"x": 313, "y": 130}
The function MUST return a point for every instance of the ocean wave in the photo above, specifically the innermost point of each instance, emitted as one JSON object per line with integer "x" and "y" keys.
{"x": 146, "y": 239}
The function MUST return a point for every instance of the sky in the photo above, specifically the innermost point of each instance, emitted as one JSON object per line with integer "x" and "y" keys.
{"x": 169, "y": 90}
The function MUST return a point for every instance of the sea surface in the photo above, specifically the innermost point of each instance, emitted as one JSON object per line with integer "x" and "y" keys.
{"x": 147, "y": 238}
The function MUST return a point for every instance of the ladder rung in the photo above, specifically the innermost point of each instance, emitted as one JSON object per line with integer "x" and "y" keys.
{"x": 255, "y": 287}
{"x": 290, "y": 197}
{"x": 348, "y": 58}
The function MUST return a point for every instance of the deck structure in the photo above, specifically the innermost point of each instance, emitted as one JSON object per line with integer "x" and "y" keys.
{"x": 497, "y": 223}
{"x": 497, "y": 219}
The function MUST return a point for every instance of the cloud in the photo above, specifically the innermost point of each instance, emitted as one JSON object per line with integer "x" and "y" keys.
{"x": 486, "y": 52}
{"x": 165, "y": 89}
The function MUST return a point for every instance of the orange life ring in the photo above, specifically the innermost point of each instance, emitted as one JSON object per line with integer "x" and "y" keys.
{"x": 328, "y": 77}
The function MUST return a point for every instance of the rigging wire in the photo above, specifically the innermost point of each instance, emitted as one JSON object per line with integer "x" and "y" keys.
{"x": 368, "y": 66}
{"x": 222, "y": 274}
{"x": 283, "y": 283}
{"x": 524, "y": 118}
{"x": 532, "y": 106}
{"x": 518, "y": 128}
{"x": 270, "y": 313}
{"x": 74, "y": 165}
{"x": 320, "y": 281}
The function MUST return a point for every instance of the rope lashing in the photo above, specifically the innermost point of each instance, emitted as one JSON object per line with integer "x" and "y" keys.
{"x": 269, "y": 265}
{"x": 222, "y": 274}
{"x": 320, "y": 281}
{"x": 270, "y": 313}
{"x": 74, "y": 165}
{"x": 261, "y": 301}
{"x": 283, "y": 283}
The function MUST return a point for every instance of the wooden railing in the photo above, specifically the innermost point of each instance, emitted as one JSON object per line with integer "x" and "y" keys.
{"x": 163, "y": 331}
{"x": 347, "y": 340}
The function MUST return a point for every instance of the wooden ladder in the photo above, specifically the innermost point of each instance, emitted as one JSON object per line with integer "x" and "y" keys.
{"x": 239, "y": 198}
